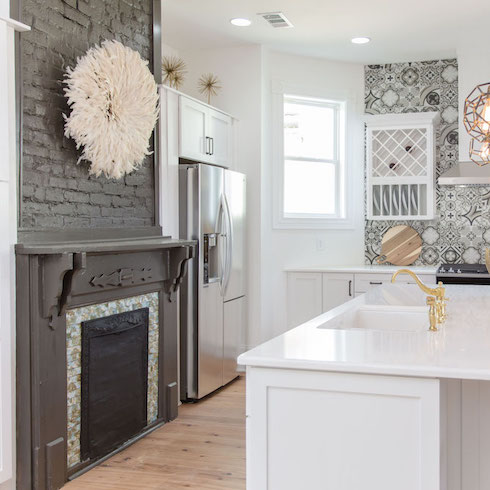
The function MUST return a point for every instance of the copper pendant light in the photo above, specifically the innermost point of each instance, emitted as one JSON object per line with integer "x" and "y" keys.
{"x": 477, "y": 123}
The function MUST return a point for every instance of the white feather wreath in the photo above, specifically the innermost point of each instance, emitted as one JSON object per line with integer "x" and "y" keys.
{"x": 114, "y": 107}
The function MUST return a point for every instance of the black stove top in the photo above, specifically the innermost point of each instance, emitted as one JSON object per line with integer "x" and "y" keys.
{"x": 463, "y": 274}
{"x": 462, "y": 269}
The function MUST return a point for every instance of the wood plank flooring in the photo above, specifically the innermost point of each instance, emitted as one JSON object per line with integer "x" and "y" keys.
{"x": 204, "y": 448}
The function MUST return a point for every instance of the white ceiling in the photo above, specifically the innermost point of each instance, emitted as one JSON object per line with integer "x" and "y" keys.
{"x": 401, "y": 30}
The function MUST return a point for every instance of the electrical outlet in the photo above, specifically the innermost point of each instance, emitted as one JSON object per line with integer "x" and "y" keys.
{"x": 321, "y": 244}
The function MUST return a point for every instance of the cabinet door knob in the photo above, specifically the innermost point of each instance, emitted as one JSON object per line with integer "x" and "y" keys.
{"x": 350, "y": 288}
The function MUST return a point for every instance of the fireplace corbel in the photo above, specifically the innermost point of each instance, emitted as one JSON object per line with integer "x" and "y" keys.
{"x": 57, "y": 279}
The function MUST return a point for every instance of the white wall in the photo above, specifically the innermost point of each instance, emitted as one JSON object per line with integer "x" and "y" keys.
{"x": 9, "y": 237}
{"x": 168, "y": 50}
{"x": 285, "y": 248}
{"x": 239, "y": 70}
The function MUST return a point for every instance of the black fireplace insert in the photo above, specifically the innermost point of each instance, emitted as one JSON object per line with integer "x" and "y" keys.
{"x": 114, "y": 381}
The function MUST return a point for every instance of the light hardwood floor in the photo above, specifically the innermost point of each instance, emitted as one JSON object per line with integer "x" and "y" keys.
{"x": 204, "y": 448}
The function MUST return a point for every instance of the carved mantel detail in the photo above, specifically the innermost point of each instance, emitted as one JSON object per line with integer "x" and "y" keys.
{"x": 122, "y": 277}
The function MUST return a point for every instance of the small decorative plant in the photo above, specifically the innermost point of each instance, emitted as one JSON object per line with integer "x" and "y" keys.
{"x": 209, "y": 85}
{"x": 173, "y": 71}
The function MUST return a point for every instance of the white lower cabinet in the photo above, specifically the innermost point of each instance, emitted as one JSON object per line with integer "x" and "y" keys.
{"x": 312, "y": 293}
{"x": 304, "y": 297}
{"x": 337, "y": 431}
{"x": 337, "y": 289}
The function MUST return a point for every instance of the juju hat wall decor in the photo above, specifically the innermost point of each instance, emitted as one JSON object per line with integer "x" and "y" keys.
{"x": 113, "y": 99}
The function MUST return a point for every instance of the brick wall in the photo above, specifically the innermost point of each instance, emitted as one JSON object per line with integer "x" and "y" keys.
{"x": 56, "y": 191}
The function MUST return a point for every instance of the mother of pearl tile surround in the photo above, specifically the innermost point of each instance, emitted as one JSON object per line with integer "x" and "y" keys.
{"x": 74, "y": 319}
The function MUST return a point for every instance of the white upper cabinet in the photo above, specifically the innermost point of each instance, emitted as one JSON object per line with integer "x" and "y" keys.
{"x": 206, "y": 135}
{"x": 401, "y": 157}
{"x": 193, "y": 141}
{"x": 221, "y": 137}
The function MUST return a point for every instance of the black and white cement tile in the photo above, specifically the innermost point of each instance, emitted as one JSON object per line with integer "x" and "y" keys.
{"x": 461, "y": 231}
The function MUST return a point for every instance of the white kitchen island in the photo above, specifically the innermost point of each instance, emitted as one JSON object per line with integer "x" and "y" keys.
{"x": 364, "y": 397}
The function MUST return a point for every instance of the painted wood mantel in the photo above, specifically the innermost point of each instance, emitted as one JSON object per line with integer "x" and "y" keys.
{"x": 54, "y": 277}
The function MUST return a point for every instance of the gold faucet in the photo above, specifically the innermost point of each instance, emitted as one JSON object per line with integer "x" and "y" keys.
{"x": 436, "y": 299}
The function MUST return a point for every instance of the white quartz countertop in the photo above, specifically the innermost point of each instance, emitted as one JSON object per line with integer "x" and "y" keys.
{"x": 357, "y": 269}
{"x": 460, "y": 349}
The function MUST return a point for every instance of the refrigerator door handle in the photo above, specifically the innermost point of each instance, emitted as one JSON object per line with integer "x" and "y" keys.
{"x": 220, "y": 224}
{"x": 229, "y": 243}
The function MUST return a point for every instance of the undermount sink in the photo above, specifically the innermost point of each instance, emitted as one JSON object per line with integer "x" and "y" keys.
{"x": 374, "y": 317}
{"x": 406, "y": 319}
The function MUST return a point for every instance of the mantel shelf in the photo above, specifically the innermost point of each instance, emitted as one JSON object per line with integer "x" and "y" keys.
{"x": 98, "y": 246}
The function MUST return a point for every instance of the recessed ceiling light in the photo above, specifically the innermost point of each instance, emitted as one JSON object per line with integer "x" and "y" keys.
{"x": 240, "y": 22}
{"x": 360, "y": 40}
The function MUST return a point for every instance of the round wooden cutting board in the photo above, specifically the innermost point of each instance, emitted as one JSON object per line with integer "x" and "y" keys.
{"x": 401, "y": 245}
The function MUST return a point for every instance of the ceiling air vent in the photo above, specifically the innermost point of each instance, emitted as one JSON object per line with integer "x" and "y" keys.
{"x": 276, "y": 19}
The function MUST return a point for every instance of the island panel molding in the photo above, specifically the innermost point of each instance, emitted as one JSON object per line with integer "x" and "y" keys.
{"x": 461, "y": 230}
{"x": 353, "y": 421}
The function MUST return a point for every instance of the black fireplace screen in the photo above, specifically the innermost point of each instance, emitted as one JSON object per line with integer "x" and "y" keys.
{"x": 114, "y": 381}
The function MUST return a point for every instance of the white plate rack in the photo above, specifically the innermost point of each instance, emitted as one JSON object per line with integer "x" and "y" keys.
{"x": 400, "y": 158}
{"x": 408, "y": 201}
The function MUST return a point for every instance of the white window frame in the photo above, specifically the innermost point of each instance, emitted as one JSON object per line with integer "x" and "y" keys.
{"x": 343, "y": 218}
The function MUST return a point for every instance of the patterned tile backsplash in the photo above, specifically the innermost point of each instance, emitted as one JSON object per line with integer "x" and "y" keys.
{"x": 462, "y": 228}
{"x": 74, "y": 319}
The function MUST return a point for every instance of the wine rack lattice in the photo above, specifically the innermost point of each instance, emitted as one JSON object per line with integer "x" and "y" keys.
{"x": 399, "y": 152}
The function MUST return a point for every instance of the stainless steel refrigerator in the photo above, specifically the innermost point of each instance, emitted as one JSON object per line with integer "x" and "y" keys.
{"x": 212, "y": 313}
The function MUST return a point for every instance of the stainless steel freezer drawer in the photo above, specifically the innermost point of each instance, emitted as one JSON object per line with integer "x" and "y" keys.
{"x": 233, "y": 328}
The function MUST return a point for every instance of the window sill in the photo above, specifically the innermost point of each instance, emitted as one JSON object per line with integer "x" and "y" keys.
{"x": 313, "y": 224}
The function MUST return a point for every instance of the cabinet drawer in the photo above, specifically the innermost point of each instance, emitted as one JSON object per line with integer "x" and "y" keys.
{"x": 365, "y": 282}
